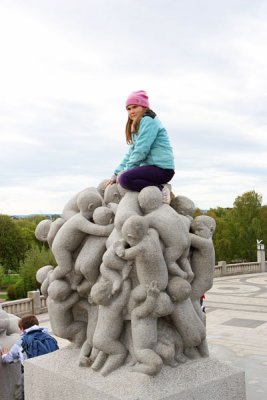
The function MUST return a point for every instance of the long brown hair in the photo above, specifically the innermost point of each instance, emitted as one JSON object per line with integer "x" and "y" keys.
{"x": 129, "y": 127}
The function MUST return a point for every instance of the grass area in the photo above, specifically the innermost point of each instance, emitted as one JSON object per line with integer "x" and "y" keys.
{"x": 10, "y": 279}
{"x": 3, "y": 296}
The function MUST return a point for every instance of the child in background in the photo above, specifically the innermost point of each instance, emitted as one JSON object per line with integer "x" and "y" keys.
{"x": 16, "y": 353}
{"x": 149, "y": 161}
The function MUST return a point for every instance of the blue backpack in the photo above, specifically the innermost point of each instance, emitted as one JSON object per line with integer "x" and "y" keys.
{"x": 37, "y": 342}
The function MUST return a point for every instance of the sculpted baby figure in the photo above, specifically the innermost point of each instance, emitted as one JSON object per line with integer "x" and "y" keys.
{"x": 185, "y": 318}
{"x": 73, "y": 232}
{"x": 127, "y": 207}
{"x": 203, "y": 255}
{"x": 145, "y": 251}
{"x": 72, "y": 207}
{"x": 47, "y": 229}
{"x": 106, "y": 339}
{"x": 60, "y": 302}
{"x": 148, "y": 351}
{"x": 114, "y": 268}
{"x": 173, "y": 230}
{"x": 184, "y": 206}
{"x": 89, "y": 258}
{"x": 42, "y": 276}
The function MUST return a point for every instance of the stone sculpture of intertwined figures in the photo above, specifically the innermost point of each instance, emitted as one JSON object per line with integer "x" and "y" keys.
{"x": 130, "y": 273}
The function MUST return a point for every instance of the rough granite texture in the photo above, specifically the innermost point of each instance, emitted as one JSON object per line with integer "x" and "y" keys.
{"x": 126, "y": 292}
{"x": 57, "y": 376}
{"x": 9, "y": 373}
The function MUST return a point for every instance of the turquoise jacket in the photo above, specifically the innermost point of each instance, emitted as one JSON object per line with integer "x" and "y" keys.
{"x": 150, "y": 146}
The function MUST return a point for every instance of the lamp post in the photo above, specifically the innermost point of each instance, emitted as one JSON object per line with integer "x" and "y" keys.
{"x": 261, "y": 254}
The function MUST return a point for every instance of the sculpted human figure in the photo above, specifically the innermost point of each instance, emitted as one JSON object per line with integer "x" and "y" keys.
{"x": 144, "y": 330}
{"x": 170, "y": 344}
{"x": 173, "y": 230}
{"x": 47, "y": 229}
{"x": 6, "y": 340}
{"x": 89, "y": 258}
{"x": 203, "y": 255}
{"x": 109, "y": 325}
{"x": 42, "y": 276}
{"x": 12, "y": 319}
{"x": 123, "y": 282}
{"x": 92, "y": 314}
{"x": 72, "y": 207}
{"x": 101, "y": 187}
{"x": 185, "y": 318}
{"x": 114, "y": 268}
{"x": 145, "y": 250}
{"x": 60, "y": 301}
{"x": 112, "y": 194}
{"x": 184, "y": 206}
{"x": 73, "y": 232}
{"x": 127, "y": 207}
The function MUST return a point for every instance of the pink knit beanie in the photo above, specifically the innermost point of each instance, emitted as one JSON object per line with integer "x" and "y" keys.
{"x": 138, "y": 98}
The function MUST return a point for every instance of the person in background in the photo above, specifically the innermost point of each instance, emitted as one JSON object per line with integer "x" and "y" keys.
{"x": 27, "y": 325}
{"x": 202, "y": 298}
{"x": 149, "y": 160}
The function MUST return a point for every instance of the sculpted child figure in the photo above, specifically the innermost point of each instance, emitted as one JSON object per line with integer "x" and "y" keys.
{"x": 89, "y": 258}
{"x": 72, "y": 207}
{"x": 173, "y": 230}
{"x": 170, "y": 344}
{"x": 109, "y": 325}
{"x": 60, "y": 302}
{"x": 127, "y": 207}
{"x": 47, "y": 229}
{"x": 42, "y": 276}
{"x": 114, "y": 268}
{"x": 73, "y": 232}
{"x": 145, "y": 251}
{"x": 203, "y": 255}
{"x": 148, "y": 351}
{"x": 185, "y": 318}
{"x": 184, "y": 206}
{"x": 92, "y": 314}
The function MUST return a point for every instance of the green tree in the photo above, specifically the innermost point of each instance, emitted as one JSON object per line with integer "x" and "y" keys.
{"x": 12, "y": 244}
{"x": 27, "y": 228}
{"x": 247, "y": 224}
{"x": 35, "y": 259}
{"x": 239, "y": 228}
{"x": 263, "y": 218}
{"x": 2, "y": 275}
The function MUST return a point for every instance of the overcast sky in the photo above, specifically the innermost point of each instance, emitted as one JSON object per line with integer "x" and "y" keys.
{"x": 66, "y": 68}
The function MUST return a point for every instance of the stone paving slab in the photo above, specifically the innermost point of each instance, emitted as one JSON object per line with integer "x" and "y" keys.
{"x": 237, "y": 327}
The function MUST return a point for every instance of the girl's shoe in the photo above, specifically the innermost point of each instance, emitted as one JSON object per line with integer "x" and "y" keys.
{"x": 166, "y": 195}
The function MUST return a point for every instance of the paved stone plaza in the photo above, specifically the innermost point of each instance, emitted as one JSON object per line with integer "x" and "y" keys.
{"x": 236, "y": 327}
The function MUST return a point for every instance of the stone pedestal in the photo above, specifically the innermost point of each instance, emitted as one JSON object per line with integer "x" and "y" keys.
{"x": 9, "y": 379}
{"x": 57, "y": 376}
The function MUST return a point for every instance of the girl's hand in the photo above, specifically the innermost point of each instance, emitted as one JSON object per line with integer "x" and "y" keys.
{"x": 111, "y": 181}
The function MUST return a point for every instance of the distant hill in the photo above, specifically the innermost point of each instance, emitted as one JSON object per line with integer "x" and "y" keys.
{"x": 48, "y": 216}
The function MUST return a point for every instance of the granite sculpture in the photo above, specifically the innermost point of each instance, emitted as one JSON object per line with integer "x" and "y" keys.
{"x": 129, "y": 276}
{"x": 9, "y": 373}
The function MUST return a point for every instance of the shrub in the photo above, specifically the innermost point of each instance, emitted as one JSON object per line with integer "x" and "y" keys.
{"x": 11, "y": 292}
{"x": 35, "y": 259}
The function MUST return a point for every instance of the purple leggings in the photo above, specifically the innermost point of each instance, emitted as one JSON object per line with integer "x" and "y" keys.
{"x": 138, "y": 178}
